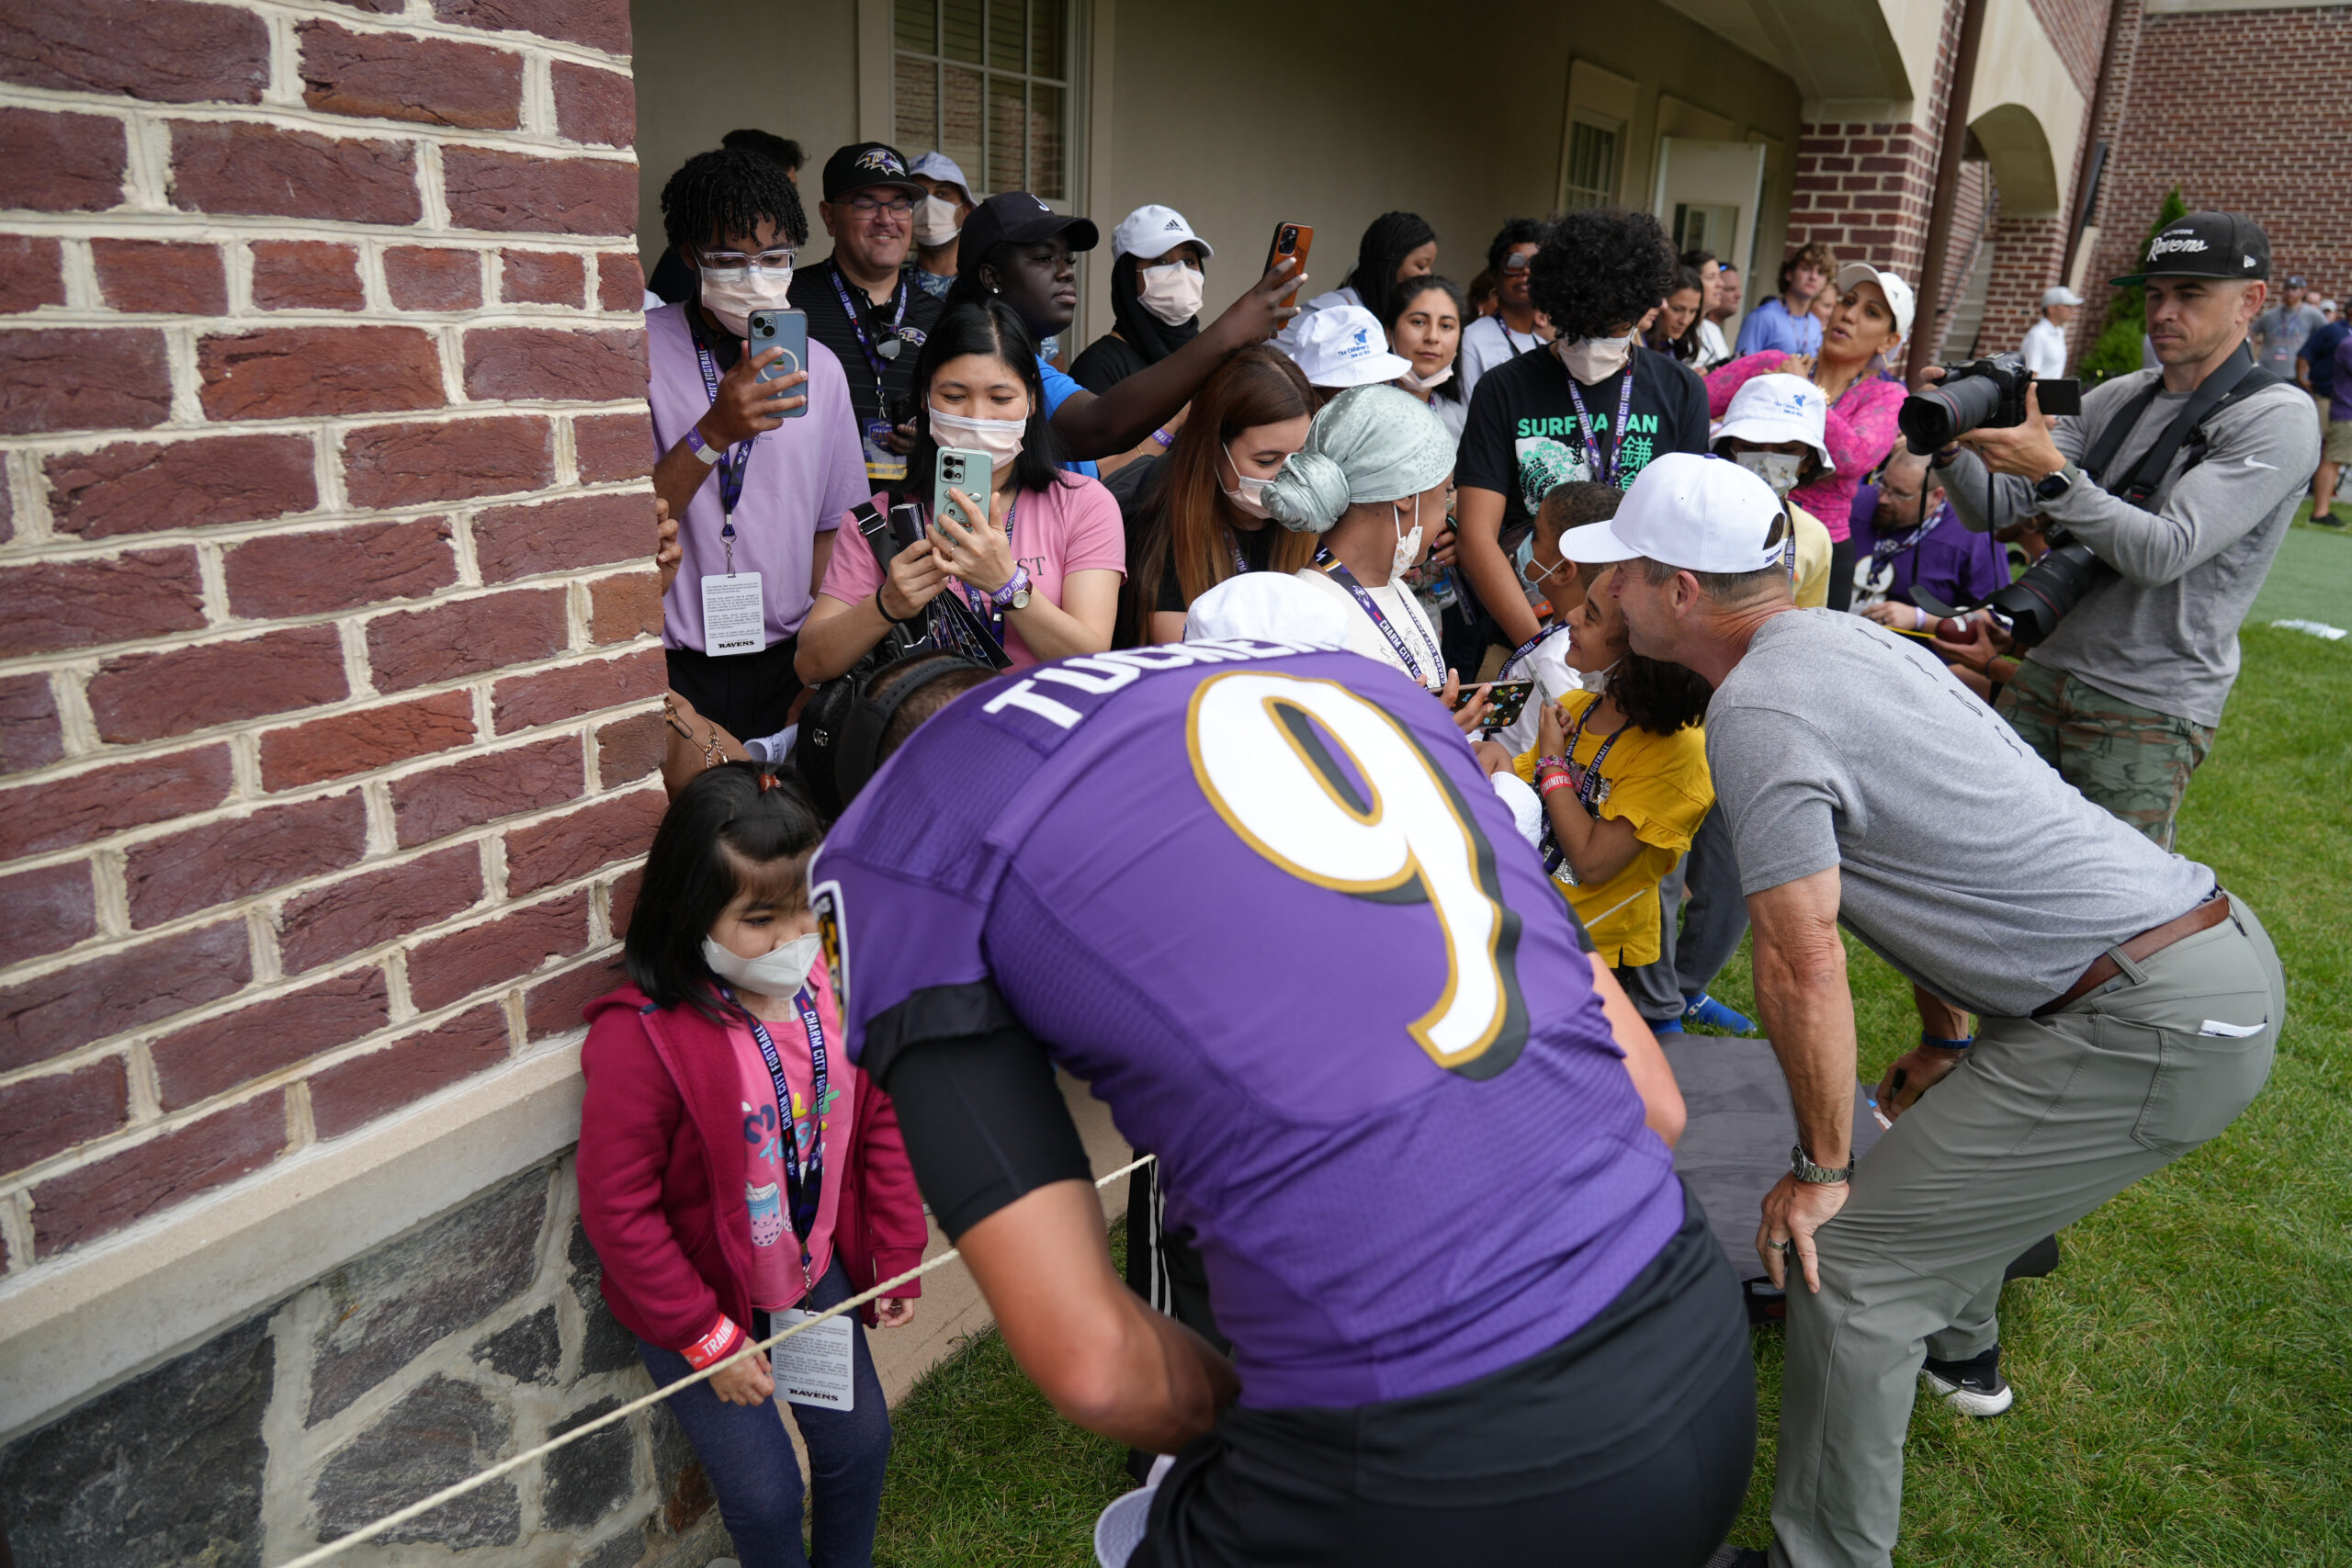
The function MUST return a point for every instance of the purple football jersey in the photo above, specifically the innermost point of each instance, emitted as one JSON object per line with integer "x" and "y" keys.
{"x": 1264, "y": 902}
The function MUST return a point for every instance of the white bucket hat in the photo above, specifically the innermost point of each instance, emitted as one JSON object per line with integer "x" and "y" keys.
{"x": 1776, "y": 408}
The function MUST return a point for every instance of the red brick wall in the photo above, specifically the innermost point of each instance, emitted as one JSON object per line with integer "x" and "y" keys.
{"x": 328, "y": 645}
{"x": 2244, "y": 111}
{"x": 2030, "y": 255}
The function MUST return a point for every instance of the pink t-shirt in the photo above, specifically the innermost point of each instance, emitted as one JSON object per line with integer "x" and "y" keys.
{"x": 1069, "y": 526}
{"x": 776, "y": 1280}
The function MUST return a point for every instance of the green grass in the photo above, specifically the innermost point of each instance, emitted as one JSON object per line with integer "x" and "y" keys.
{"x": 2184, "y": 1380}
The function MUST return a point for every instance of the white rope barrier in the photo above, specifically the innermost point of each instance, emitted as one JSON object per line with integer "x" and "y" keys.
{"x": 449, "y": 1494}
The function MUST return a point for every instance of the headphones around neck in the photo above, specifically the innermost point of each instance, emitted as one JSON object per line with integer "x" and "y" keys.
{"x": 839, "y": 748}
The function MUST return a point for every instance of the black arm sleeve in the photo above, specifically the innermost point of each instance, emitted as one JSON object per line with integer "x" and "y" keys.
{"x": 985, "y": 1123}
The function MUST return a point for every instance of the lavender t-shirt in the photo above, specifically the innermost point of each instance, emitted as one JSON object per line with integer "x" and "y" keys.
{"x": 802, "y": 476}
{"x": 1263, "y": 900}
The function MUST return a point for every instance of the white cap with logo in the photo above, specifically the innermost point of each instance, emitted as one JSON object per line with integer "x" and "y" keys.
{"x": 1899, "y": 298}
{"x": 1153, "y": 230}
{"x": 1698, "y": 513}
{"x": 940, "y": 167}
{"x": 1343, "y": 346}
{"x": 1769, "y": 410}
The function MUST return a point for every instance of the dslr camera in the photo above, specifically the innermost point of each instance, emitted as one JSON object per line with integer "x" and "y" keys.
{"x": 1986, "y": 395}
{"x": 1990, "y": 395}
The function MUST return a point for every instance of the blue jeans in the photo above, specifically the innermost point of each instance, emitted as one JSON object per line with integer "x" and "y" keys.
{"x": 748, "y": 1456}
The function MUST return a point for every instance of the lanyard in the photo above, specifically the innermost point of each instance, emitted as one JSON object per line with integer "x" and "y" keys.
{"x": 1608, "y": 475}
{"x": 874, "y": 359}
{"x": 984, "y": 605}
{"x": 1241, "y": 565}
{"x": 802, "y": 1189}
{"x": 1522, "y": 651}
{"x": 731, "y": 467}
{"x": 1590, "y": 790}
{"x": 1511, "y": 343}
{"x": 1347, "y": 579}
{"x": 1882, "y": 553}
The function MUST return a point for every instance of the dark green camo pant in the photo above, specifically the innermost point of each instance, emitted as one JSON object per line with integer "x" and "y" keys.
{"x": 2133, "y": 760}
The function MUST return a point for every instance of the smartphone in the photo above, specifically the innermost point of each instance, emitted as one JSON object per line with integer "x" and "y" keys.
{"x": 1291, "y": 240}
{"x": 1506, "y": 700}
{"x": 960, "y": 469}
{"x": 787, "y": 330}
{"x": 906, "y": 525}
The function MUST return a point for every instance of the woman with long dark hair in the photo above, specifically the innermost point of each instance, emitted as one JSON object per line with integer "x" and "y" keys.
{"x": 1396, "y": 246}
{"x": 1043, "y": 572}
{"x": 1675, "y": 330}
{"x": 1424, "y": 325}
{"x": 1198, "y": 519}
{"x": 735, "y": 1165}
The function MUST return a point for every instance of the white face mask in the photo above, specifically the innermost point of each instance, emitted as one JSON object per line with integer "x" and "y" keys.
{"x": 1171, "y": 292}
{"x": 732, "y": 299}
{"x": 1778, "y": 470}
{"x": 999, "y": 438}
{"x": 936, "y": 222}
{"x": 1595, "y": 358}
{"x": 1596, "y": 681}
{"x": 1409, "y": 542}
{"x": 1533, "y": 583}
{"x": 779, "y": 972}
{"x": 1250, "y": 496}
{"x": 1433, "y": 382}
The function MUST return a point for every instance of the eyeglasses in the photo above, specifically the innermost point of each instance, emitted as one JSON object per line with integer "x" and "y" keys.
{"x": 893, "y": 207}
{"x": 732, "y": 264}
{"x": 1516, "y": 262}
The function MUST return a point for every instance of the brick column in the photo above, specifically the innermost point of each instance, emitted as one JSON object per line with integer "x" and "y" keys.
{"x": 1863, "y": 189}
{"x": 2029, "y": 255}
{"x": 329, "y": 636}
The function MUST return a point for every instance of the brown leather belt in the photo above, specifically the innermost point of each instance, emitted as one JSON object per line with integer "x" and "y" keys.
{"x": 2155, "y": 939}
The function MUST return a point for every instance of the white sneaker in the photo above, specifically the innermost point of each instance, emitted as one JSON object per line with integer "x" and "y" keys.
{"x": 1974, "y": 1387}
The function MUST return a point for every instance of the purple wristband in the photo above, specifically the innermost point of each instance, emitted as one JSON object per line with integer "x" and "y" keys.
{"x": 700, "y": 447}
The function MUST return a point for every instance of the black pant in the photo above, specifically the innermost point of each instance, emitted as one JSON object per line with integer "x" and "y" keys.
{"x": 1628, "y": 1445}
{"x": 747, "y": 695}
{"x": 1841, "y": 573}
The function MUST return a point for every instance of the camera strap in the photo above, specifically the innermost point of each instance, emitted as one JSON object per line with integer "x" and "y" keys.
{"x": 2237, "y": 379}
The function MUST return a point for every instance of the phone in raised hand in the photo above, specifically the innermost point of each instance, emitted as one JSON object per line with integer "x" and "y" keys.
{"x": 787, "y": 330}
{"x": 1291, "y": 242}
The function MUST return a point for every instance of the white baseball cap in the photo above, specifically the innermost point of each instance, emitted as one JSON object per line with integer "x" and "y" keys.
{"x": 1343, "y": 346}
{"x": 940, "y": 167}
{"x": 1899, "y": 298}
{"x": 1701, "y": 515}
{"x": 1594, "y": 543}
{"x": 1771, "y": 409}
{"x": 2060, "y": 295}
{"x": 1153, "y": 230}
{"x": 1269, "y": 606}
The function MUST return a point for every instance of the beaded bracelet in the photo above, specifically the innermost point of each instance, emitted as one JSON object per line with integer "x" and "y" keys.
{"x": 1545, "y": 764}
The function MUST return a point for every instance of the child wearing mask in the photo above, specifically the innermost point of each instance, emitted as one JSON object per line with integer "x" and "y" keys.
{"x": 1777, "y": 429}
{"x": 1553, "y": 585}
{"x": 1042, "y": 573}
{"x": 736, "y": 1167}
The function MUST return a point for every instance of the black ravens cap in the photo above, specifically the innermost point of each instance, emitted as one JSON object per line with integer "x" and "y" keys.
{"x": 862, "y": 165}
{"x": 2204, "y": 244}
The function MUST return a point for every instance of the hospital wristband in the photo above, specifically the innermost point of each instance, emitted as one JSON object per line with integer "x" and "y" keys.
{"x": 722, "y": 1340}
{"x": 701, "y": 448}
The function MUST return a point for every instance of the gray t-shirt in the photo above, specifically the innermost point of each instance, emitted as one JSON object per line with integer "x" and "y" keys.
{"x": 2164, "y": 633}
{"x": 2282, "y": 329}
{"x": 1964, "y": 860}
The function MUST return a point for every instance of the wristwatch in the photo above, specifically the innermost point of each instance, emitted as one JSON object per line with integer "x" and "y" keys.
{"x": 1802, "y": 1167}
{"x": 2050, "y": 486}
{"x": 1014, "y": 594}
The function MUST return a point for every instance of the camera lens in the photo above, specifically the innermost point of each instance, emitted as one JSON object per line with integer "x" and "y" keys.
{"x": 1934, "y": 419}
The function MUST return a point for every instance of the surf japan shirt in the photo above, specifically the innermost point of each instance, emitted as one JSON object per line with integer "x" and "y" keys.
{"x": 1263, "y": 900}
{"x": 1523, "y": 436}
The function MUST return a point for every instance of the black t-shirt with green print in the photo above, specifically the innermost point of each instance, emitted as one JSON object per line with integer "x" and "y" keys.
{"x": 1522, "y": 437}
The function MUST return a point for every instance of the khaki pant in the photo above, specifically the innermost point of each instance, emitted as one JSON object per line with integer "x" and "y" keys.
{"x": 2045, "y": 1120}
{"x": 2133, "y": 762}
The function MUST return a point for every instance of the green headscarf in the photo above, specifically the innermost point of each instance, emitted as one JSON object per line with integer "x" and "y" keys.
{"x": 1368, "y": 444}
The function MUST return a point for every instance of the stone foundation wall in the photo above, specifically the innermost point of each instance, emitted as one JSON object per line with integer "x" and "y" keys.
{"x": 473, "y": 1338}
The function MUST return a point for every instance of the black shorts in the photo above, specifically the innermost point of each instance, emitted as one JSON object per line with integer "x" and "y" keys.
{"x": 747, "y": 694}
{"x": 1627, "y": 1445}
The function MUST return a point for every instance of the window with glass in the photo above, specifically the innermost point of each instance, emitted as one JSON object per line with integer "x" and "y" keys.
{"x": 987, "y": 81}
{"x": 1592, "y": 166}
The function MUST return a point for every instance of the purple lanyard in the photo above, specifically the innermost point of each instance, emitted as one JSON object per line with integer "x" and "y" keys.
{"x": 1605, "y": 475}
{"x": 1588, "y": 786}
{"x": 1347, "y": 579}
{"x": 803, "y": 1187}
{"x": 1522, "y": 651}
{"x": 874, "y": 360}
{"x": 730, "y": 467}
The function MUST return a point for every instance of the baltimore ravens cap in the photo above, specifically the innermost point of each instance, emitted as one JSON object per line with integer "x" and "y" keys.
{"x": 2204, "y": 244}
{"x": 862, "y": 165}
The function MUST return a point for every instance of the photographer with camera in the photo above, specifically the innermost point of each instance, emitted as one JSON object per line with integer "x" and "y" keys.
{"x": 2163, "y": 500}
